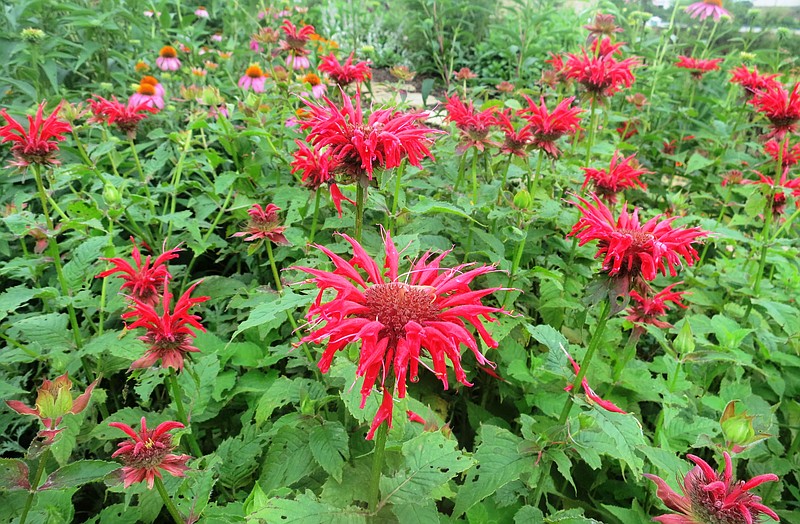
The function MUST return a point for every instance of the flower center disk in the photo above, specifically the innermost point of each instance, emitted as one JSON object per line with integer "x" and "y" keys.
{"x": 395, "y": 304}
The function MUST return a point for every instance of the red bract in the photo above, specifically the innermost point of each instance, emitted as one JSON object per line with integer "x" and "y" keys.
{"x": 601, "y": 74}
{"x": 780, "y": 106}
{"x": 788, "y": 157}
{"x": 474, "y": 125}
{"x": 698, "y": 66}
{"x": 712, "y": 498}
{"x": 779, "y": 190}
{"x": 39, "y": 143}
{"x": 631, "y": 250}
{"x": 516, "y": 140}
{"x": 148, "y": 452}
{"x": 318, "y": 168}
{"x": 646, "y": 309}
{"x": 347, "y": 72}
{"x": 622, "y": 173}
{"x": 358, "y": 146}
{"x": 590, "y": 394}
{"x": 145, "y": 283}
{"x": 752, "y": 81}
{"x": 395, "y": 316}
{"x": 547, "y": 127}
{"x": 168, "y": 336}
{"x": 264, "y": 225}
{"x": 126, "y": 117}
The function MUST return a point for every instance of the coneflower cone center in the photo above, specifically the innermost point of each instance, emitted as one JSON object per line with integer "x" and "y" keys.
{"x": 717, "y": 3}
{"x": 395, "y": 304}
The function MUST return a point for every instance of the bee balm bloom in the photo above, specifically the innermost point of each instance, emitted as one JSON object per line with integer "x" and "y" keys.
{"x": 126, "y": 117}
{"x": 712, "y": 498}
{"x": 39, "y": 143}
{"x": 698, "y": 67}
{"x": 475, "y": 126}
{"x": 148, "y": 452}
{"x": 145, "y": 282}
{"x": 253, "y": 79}
{"x": 345, "y": 73}
{"x": 264, "y": 225}
{"x": 168, "y": 59}
{"x": 600, "y": 73}
{"x": 646, "y": 309}
{"x": 549, "y": 126}
{"x": 780, "y": 106}
{"x": 622, "y": 173}
{"x": 394, "y": 317}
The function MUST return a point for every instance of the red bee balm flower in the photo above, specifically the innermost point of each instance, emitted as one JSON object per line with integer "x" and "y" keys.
{"x": 168, "y": 334}
{"x": 788, "y": 157}
{"x": 711, "y": 498}
{"x": 781, "y": 107}
{"x": 697, "y": 66}
{"x": 347, "y": 72}
{"x": 629, "y": 249}
{"x": 752, "y": 81}
{"x": 547, "y": 127}
{"x": 148, "y": 452}
{"x": 779, "y": 190}
{"x": 474, "y": 126}
{"x": 516, "y": 140}
{"x": 395, "y": 318}
{"x": 264, "y": 225}
{"x": 126, "y": 117}
{"x": 622, "y": 173}
{"x": 146, "y": 282}
{"x": 318, "y": 168}
{"x": 646, "y": 310}
{"x": 358, "y": 146}
{"x": 600, "y": 73}
{"x": 39, "y": 143}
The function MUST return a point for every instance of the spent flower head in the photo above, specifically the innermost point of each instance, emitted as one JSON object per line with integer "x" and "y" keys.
{"x": 264, "y": 224}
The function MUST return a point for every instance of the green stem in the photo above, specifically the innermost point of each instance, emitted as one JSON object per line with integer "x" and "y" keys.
{"x": 592, "y": 128}
{"x": 172, "y": 377}
{"x": 173, "y": 511}
{"x": 594, "y": 343}
{"x": 475, "y": 176}
{"x": 36, "y": 479}
{"x": 397, "y": 185}
{"x": 361, "y": 198}
{"x": 462, "y": 166}
{"x": 535, "y": 182}
{"x": 514, "y": 267}
{"x": 142, "y": 177}
{"x": 505, "y": 178}
{"x": 316, "y": 216}
{"x": 377, "y": 465}
{"x": 176, "y": 179}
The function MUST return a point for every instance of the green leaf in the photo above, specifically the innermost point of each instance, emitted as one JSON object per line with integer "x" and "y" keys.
{"x": 625, "y": 433}
{"x": 272, "y": 311}
{"x": 697, "y": 162}
{"x": 500, "y": 463}
{"x": 288, "y": 460}
{"x": 426, "y": 205}
{"x": 79, "y": 270}
{"x": 78, "y": 473}
{"x": 14, "y": 297}
{"x": 305, "y": 509}
{"x": 430, "y": 460}
{"x": 48, "y": 330}
{"x": 329, "y": 445}
{"x": 13, "y": 474}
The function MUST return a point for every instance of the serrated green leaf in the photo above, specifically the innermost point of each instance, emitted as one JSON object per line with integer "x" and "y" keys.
{"x": 626, "y": 434}
{"x": 78, "y": 473}
{"x": 288, "y": 460}
{"x": 697, "y": 162}
{"x": 329, "y": 445}
{"x": 272, "y": 311}
{"x": 79, "y": 270}
{"x": 13, "y": 474}
{"x": 306, "y": 509}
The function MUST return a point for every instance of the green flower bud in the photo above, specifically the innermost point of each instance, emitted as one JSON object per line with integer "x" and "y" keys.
{"x": 32, "y": 34}
{"x": 684, "y": 342}
{"x": 523, "y": 199}
{"x": 111, "y": 195}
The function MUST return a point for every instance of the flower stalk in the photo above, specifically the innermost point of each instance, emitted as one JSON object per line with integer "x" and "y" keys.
{"x": 172, "y": 379}
{"x": 37, "y": 478}
{"x": 173, "y": 511}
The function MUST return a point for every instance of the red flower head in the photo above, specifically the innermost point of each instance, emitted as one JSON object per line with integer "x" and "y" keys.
{"x": 395, "y": 316}
{"x": 779, "y": 190}
{"x": 264, "y": 225}
{"x": 697, "y": 66}
{"x": 708, "y": 497}
{"x": 168, "y": 334}
{"x": 295, "y": 38}
{"x": 358, "y": 146}
{"x": 788, "y": 157}
{"x": 632, "y": 251}
{"x": 781, "y": 107}
{"x": 622, "y": 173}
{"x": 647, "y": 309}
{"x": 39, "y": 143}
{"x": 547, "y": 127}
{"x": 148, "y": 452}
{"x": 318, "y": 168}
{"x": 346, "y": 73}
{"x": 146, "y": 282}
{"x": 126, "y": 117}
{"x": 516, "y": 140}
{"x": 53, "y": 401}
{"x": 474, "y": 126}
{"x": 600, "y": 73}
{"x": 464, "y": 74}
{"x": 752, "y": 81}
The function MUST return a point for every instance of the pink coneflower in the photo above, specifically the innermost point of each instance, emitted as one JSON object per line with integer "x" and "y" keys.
{"x": 148, "y": 452}
{"x": 253, "y": 79}
{"x": 168, "y": 59}
{"x": 126, "y": 117}
{"x": 706, "y": 8}
{"x": 347, "y": 72}
{"x": 359, "y": 145}
{"x": 753, "y": 81}
{"x": 318, "y": 168}
{"x": 39, "y": 143}
{"x": 318, "y": 89}
{"x": 201, "y": 12}
{"x": 601, "y": 74}
{"x": 255, "y": 46}
{"x": 712, "y": 498}
{"x": 779, "y": 190}
{"x": 547, "y": 127}
{"x": 475, "y": 126}
{"x": 168, "y": 337}
{"x": 780, "y": 106}
{"x": 394, "y": 317}
{"x": 788, "y": 157}
{"x": 697, "y": 66}
{"x": 216, "y": 37}
{"x": 153, "y": 81}
{"x": 622, "y": 173}
{"x": 146, "y": 95}
{"x": 145, "y": 282}
{"x": 646, "y": 309}
{"x": 264, "y": 225}
{"x": 633, "y": 252}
